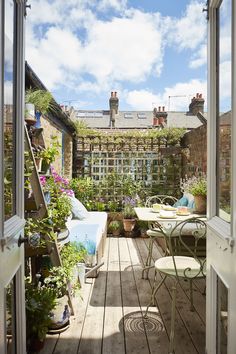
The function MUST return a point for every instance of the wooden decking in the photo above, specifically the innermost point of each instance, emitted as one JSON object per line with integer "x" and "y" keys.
{"x": 109, "y": 317}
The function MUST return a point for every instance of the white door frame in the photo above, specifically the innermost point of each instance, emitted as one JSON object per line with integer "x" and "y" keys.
{"x": 221, "y": 253}
{"x": 12, "y": 256}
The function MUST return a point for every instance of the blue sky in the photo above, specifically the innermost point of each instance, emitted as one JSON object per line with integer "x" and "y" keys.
{"x": 147, "y": 51}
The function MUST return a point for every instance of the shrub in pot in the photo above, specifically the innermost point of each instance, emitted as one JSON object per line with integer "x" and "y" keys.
{"x": 39, "y": 302}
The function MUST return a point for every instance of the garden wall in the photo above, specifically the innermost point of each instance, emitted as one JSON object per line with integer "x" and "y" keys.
{"x": 194, "y": 144}
{"x": 63, "y": 162}
{"x": 151, "y": 161}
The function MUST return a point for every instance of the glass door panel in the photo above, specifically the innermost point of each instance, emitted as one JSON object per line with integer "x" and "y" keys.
{"x": 10, "y": 317}
{"x": 224, "y": 109}
{"x": 222, "y": 317}
{"x": 9, "y": 111}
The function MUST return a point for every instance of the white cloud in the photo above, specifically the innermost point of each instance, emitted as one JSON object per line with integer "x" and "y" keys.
{"x": 123, "y": 49}
{"x": 175, "y": 98}
{"x": 118, "y": 5}
{"x": 142, "y": 99}
{"x": 190, "y": 30}
{"x": 199, "y": 58}
{"x": 68, "y": 45}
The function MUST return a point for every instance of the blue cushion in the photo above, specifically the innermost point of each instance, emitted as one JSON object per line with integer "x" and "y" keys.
{"x": 182, "y": 202}
{"x": 191, "y": 204}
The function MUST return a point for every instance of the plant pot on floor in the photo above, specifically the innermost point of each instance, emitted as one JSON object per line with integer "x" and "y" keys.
{"x": 129, "y": 224}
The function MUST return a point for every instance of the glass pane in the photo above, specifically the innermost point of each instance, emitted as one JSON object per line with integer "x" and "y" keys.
{"x": 222, "y": 317}
{"x": 9, "y": 143}
{"x": 10, "y": 318}
{"x": 224, "y": 109}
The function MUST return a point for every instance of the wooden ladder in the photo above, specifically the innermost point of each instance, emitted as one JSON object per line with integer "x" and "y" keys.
{"x": 41, "y": 209}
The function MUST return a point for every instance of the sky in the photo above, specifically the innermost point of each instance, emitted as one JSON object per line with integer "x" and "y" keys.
{"x": 152, "y": 52}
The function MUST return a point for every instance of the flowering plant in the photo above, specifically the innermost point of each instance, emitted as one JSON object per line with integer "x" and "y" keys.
{"x": 194, "y": 185}
{"x": 59, "y": 203}
{"x": 128, "y": 210}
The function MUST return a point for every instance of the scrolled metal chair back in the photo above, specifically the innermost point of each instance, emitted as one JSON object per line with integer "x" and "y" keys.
{"x": 160, "y": 199}
{"x": 188, "y": 238}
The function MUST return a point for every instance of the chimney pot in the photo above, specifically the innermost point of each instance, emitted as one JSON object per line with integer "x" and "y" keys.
{"x": 115, "y": 93}
{"x": 197, "y": 95}
{"x": 159, "y": 108}
{"x": 163, "y": 108}
{"x": 200, "y": 95}
{"x": 111, "y": 93}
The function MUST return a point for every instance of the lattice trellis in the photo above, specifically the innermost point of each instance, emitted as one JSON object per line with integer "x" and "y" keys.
{"x": 157, "y": 166}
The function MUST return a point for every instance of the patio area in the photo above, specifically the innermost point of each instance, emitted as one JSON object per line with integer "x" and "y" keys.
{"x": 109, "y": 313}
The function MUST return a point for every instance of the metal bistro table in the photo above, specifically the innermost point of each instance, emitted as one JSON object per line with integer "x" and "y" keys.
{"x": 161, "y": 227}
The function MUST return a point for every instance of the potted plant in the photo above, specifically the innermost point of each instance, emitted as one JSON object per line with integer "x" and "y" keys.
{"x": 143, "y": 227}
{"x": 39, "y": 302}
{"x": 40, "y": 101}
{"x": 59, "y": 202}
{"x": 49, "y": 154}
{"x": 115, "y": 227}
{"x": 128, "y": 212}
{"x": 197, "y": 186}
{"x": 62, "y": 279}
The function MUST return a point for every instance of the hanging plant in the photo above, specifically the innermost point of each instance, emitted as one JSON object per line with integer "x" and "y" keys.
{"x": 42, "y": 100}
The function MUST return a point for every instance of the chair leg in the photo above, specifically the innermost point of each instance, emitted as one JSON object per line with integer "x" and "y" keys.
{"x": 191, "y": 294}
{"x": 172, "y": 325}
{"x": 149, "y": 259}
{"x": 154, "y": 291}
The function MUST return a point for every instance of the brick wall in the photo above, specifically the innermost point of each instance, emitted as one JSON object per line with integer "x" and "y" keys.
{"x": 195, "y": 150}
{"x": 50, "y": 130}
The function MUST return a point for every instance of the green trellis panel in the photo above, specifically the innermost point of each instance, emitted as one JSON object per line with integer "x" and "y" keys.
{"x": 158, "y": 167}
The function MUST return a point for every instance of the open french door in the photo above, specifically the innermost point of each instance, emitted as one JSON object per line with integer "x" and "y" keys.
{"x": 12, "y": 304}
{"x": 221, "y": 250}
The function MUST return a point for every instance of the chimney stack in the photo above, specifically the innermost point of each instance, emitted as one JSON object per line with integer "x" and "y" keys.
{"x": 114, "y": 106}
{"x": 197, "y": 104}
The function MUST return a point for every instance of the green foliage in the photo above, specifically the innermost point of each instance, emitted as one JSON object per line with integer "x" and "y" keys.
{"x": 39, "y": 302}
{"x": 194, "y": 185}
{"x": 59, "y": 209}
{"x": 128, "y": 212}
{"x": 42, "y": 100}
{"x": 49, "y": 154}
{"x": 71, "y": 254}
{"x": 114, "y": 225}
{"x": 165, "y": 136}
{"x": 85, "y": 190}
{"x": 36, "y": 228}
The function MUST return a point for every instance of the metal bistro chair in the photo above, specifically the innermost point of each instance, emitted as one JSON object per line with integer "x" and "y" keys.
{"x": 154, "y": 232}
{"x": 183, "y": 263}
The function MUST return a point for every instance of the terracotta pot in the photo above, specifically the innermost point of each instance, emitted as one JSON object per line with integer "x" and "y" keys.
{"x": 36, "y": 345}
{"x": 200, "y": 204}
{"x": 115, "y": 233}
{"x": 129, "y": 224}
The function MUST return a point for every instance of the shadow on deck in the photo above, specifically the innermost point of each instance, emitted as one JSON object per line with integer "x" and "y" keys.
{"x": 109, "y": 317}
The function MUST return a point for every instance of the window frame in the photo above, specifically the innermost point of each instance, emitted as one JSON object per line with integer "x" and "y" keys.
{"x": 221, "y": 228}
{"x": 11, "y": 227}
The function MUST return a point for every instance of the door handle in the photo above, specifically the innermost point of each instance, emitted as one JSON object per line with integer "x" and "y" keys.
{"x": 22, "y": 240}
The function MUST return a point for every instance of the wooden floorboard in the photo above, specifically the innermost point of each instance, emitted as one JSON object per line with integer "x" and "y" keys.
{"x": 113, "y": 333}
{"x": 109, "y": 317}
